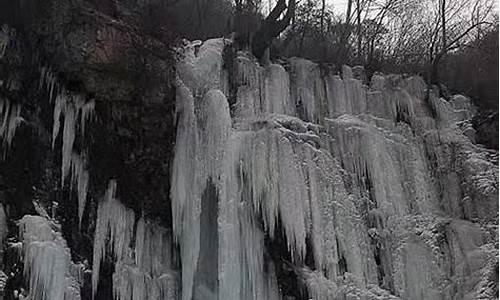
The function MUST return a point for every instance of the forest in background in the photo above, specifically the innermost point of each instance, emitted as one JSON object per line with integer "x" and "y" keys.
{"x": 453, "y": 42}
{"x": 444, "y": 41}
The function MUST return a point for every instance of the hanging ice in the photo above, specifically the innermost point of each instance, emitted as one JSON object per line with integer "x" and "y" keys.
{"x": 5, "y": 38}
{"x": 10, "y": 118}
{"x": 273, "y": 167}
{"x": 50, "y": 273}
{"x": 380, "y": 160}
{"x": 71, "y": 107}
{"x": 80, "y": 177}
{"x": 143, "y": 271}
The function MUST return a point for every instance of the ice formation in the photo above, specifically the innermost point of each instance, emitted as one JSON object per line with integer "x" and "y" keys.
{"x": 80, "y": 177}
{"x": 370, "y": 188}
{"x": 142, "y": 249}
{"x": 48, "y": 268}
{"x": 10, "y": 118}
{"x": 381, "y": 181}
{"x": 10, "y": 112}
{"x": 76, "y": 112}
{"x": 5, "y": 37}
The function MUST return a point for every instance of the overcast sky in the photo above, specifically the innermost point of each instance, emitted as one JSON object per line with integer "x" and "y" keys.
{"x": 339, "y": 6}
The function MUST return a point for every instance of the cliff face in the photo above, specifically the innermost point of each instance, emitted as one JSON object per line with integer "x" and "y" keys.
{"x": 378, "y": 190}
{"x": 132, "y": 172}
{"x": 84, "y": 99}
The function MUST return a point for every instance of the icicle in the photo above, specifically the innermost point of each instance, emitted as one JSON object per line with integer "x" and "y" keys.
{"x": 68, "y": 139}
{"x": 116, "y": 222}
{"x": 307, "y": 88}
{"x": 277, "y": 91}
{"x": 4, "y": 39}
{"x": 80, "y": 176}
{"x": 3, "y": 227}
{"x": 346, "y": 72}
{"x": 241, "y": 240}
{"x": 87, "y": 114}
{"x": 202, "y": 71}
{"x": 59, "y": 107}
{"x": 336, "y": 97}
{"x": 185, "y": 202}
{"x": 319, "y": 287}
{"x": 41, "y": 81}
{"x": 143, "y": 271}
{"x": 261, "y": 91}
{"x": 71, "y": 107}
{"x": 355, "y": 95}
{"x": 153, "y": 245}
{"x": 10, "y": 118}
{"x": 416, "y": 87}
{"x": 248, "y": 79}
{"x": 214, "y": 125}
{"x": 47, "y": 261}
{"x": 230, "y": 271}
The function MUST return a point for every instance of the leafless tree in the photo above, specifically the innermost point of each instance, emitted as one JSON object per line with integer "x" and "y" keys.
{"x": 272, "y": 26}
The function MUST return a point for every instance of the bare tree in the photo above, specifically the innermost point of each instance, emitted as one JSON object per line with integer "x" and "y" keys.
{"x": 454, "y": 28}
{"x": 323, "y": 7}
{"x": 358, "y": 30}
{"x": 272, "y": 26}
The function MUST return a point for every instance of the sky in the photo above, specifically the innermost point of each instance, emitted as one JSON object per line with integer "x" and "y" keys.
{"x": 338, "y": 6}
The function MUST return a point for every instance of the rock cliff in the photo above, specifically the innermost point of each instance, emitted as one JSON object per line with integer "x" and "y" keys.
{"x": 133, "y": 168}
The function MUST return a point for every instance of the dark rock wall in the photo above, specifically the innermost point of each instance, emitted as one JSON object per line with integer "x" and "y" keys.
{"x": 109, "y": 55}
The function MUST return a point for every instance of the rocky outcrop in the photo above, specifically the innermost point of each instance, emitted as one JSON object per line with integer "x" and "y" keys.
{"x": 85, "y": 98}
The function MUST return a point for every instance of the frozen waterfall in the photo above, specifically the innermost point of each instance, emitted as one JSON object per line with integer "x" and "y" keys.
{"x": 359, "y": 170}
{"x": 293, "y": 173}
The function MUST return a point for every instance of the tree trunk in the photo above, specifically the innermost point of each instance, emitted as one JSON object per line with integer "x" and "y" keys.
{"x": 345, "y": 33}
{"x": 358, "y": 31}
{"x": 271, "y": 27}
{"x": 323, "y": 5}
{"x": 443, "y": 23}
